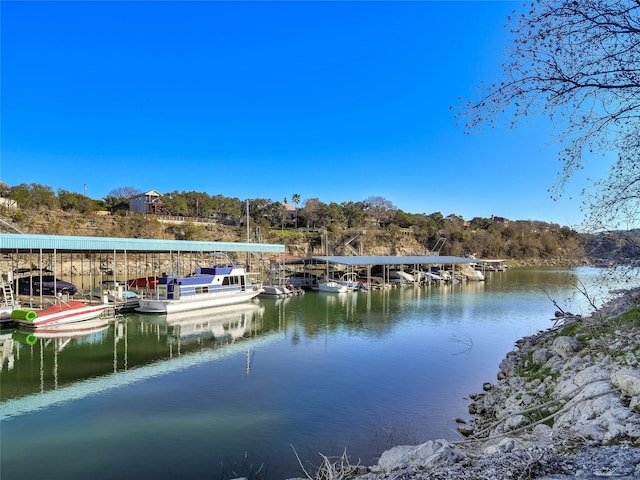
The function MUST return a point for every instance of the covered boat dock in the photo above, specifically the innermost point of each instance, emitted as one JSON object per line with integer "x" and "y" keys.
{"x": 93, "y": 261}
{"x": 352, "y": 264}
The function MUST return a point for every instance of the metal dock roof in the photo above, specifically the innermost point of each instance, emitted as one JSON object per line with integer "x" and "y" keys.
{"x": 350, "y": 260}
{"x": 24, "y": 243}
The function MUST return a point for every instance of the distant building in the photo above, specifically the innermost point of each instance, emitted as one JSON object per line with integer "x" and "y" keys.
{"x": 504, "y": 221}
{"x": 148, "y": 202}
{"x": 290, "y": 209}
{"x": 8, "y": 203}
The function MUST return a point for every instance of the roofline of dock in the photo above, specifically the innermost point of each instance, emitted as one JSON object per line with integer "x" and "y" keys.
{"x": 356, "y": 260}
{"x": 28, "y": 243}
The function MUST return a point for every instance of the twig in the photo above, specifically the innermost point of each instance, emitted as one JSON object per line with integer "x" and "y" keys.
{"x": 300, "y": 463}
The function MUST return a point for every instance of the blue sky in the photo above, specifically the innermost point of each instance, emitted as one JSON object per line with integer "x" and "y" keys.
{"x": 331, "y": 100}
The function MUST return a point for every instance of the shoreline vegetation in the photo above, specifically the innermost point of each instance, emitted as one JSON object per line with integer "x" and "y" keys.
{"x": 521, "y": 243}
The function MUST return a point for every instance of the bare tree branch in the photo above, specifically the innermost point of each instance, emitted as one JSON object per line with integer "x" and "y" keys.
{"x": 577, "y": 63}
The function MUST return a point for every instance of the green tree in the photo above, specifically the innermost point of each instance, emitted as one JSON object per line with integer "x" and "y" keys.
{"x": 74, "y": 202}
{"x": 438, "y": 220}
{"x": 226, "y": 209}
{"x": 577, "y": 63}
{"x": 354, "y": 214}
{"x": 34, "y": 196}
{"x": 295, "y": 198}
{"x": 176, "y": 203}
{"x": 403, "y": 219}
{"x": 332, "y": 214}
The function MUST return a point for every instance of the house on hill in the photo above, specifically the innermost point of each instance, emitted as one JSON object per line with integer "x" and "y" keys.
{"x": 148, "y": 203}
{"x": 502, "y": 220}
{"x": 8, "y": 203}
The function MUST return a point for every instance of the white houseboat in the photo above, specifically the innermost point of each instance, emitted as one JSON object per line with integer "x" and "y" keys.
{"x": 205, "y": 288}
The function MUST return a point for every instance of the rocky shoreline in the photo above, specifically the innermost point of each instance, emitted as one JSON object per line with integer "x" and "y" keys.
{"x": 566, "y": 405}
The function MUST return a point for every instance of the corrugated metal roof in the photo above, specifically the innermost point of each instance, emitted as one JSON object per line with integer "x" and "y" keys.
{"x": 49, "y": 243}
{"x": 387, "y": 260}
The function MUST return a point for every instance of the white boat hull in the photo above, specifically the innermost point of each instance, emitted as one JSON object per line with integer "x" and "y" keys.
{"x": 195, "y": 302}
{"x": 332, "y": 287}
{"x": 276, "y": 291}
{"x": 64, "y": 313}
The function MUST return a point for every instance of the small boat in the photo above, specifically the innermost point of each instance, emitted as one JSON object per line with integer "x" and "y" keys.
{"x": 207, "y": 287}
{"x": 127, "y": 301}
{"x": 400, "y": 278}
{"x": 44, "y": 285}
{"x": 116, "y": 296}
{"x": 277, "y": 291}
{"x": 63, "y": 312}
{"x": 333, "y": 287}
{"x": 432, "y": 277}
{"x": 350, "y": 280}
{"x": 370, "y": 282}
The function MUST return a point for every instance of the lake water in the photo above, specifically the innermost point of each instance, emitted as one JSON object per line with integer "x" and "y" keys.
{"x": 242, "y": 391}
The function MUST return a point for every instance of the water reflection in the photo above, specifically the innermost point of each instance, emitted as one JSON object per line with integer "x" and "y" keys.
{"x": 86, "y": 357}
{"x": 36, "y": 361}
{"x": 214, "y": 326}
{"x": 42, "y": 347}
{"x": 177, "y": 397}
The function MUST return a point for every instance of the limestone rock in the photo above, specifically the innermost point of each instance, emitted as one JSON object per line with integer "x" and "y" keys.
{"x": 628, "y": 380}
{"x": 504, "y": 446}
{"x": 516, "y": 421}
{"x": 598, "y": 414}
{"x": 565, "y": 346}
{"x": 541, "y": 356}
{"x": 426, "y": 455}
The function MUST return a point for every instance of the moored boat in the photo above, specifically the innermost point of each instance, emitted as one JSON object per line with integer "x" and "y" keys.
{"x": 350, "y": 280}
{"x": 278, "y": 291}
{"x": 206, "y": 287}
{"x": 117, "y": 297}
{"x": 43, "y": 285}
{"x": 60, "y": 313}
{"x": 332, "y": 287}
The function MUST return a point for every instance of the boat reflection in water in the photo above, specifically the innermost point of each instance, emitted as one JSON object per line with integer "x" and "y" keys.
{"x": 121, "y": 353}
{"x": 219, "y": 325}
{"x": 63, "y": 334}
{"x": 48, "y": 342}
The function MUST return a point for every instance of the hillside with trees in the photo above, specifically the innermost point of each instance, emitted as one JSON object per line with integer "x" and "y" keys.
{"x": 370, "y": 227}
